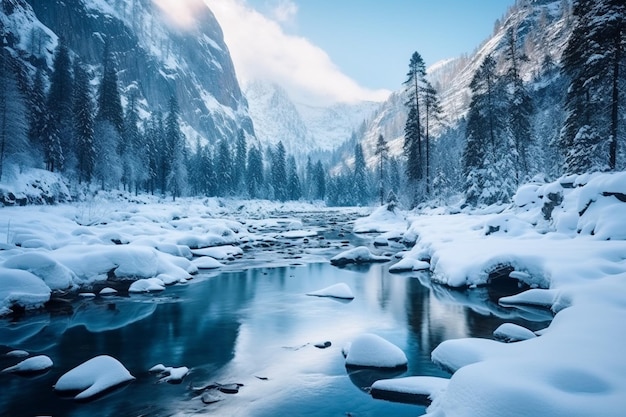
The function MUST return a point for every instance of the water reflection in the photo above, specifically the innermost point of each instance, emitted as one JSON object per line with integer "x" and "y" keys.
{"x": 256, "y": 327}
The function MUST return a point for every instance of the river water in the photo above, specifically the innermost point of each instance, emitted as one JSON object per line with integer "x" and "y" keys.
{"x": 255, "y": 327}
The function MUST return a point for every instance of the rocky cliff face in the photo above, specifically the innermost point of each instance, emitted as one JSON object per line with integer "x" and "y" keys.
{"x": 153, "y": 56}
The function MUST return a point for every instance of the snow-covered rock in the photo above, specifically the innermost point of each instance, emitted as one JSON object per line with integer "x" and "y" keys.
{"x": 170, "y": 374}
{"x": 219, "y": 252}
{"x": 206, "y": 262}
{"x": 146, "y": 285}
{"x": 409, "y": 264}
{"x": 108, "y": 291}
{"x": 510, "y": 332}
{"x": 341, "y": 290}
{"x": 55, "y": 275}
{"x": 416, "y": 389}
{"x": 21, "y": 288}
{"x": 32, "y": 365}
{"x": 370, "y": 350}
{"x": 358, "y": 255}
{"x": 382, "y": 220}
{"x": 93, "y": 377}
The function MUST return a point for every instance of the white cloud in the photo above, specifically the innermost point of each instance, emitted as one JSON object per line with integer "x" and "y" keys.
{"x": 181, "y": 12}
{"x": 285, "y": 11}
{"x": 262, "y": 50}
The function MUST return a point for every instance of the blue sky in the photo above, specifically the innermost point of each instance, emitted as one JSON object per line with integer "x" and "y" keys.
{"x": 324, "y": 51}
{"x": 372, "y": 40}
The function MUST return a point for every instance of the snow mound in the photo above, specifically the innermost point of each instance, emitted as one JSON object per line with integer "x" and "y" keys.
{"x": 357, "y": 255}
{"x": 417, "y": 389}
{"x": 21, "y": 288}
{"x": 146, "y": 285}
{"x": 382, "y": 220}
{"x": 219, "y": 252}
{"x": 409, "y": 264}
{"x": 32, "y": 365}
{"x": 370, "y": 350}
{"x": 341, "y": 290}
{"x": 510, "y": 332}
{"x": 54, "y": 274}
{"x": 94, "y": 377}
{"x": 297, "y": 234}
{"x": 206, "y": 262}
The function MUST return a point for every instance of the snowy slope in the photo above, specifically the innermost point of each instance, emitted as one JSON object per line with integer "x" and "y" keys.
{"x": 302, "y": 128}
{"x": 153, "y": 55}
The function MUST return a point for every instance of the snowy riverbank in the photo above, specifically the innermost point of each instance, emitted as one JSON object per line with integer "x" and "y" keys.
{"x": 566, "y": 241}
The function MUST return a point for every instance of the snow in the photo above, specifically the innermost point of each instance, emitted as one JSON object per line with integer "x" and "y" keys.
{"x": 147, "y": 285}
{"x": 341, "y": 290}
{"x": 206, "y": 262}
{"x": 220, "y": 252}
{"x": 31, "y": 365}
{"x": 93, "y": 377}
{"x": 170, "y": 374}
{"x": 419, "y": 386}
{"x": 55, "y": 275}
{"x": 381, "y": 220}
{"x": 370, "y": 350}
{"x": 21, "y": 288}
{"x": 18, "y": 353}
{"x": 358, "y": 255}
{"x": 510, "y": 332}
{"x": 567, "y": 243}
{"x": 108, "y": 291}
{"x": 409, "y": 264}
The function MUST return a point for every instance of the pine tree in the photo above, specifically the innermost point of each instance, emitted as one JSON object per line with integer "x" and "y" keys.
{"x": 432, "y": 117}
{"x": 294, "y": 188}
{"x": 279, "y": 172}
{"x": 58, "y": 135}
{"x": 13, "y": 123}
{"x": 153, "y": 140}
{"x": 83, "y": 124}
{"x": 413, "y": 129}
{"x": 592, "y": 62}
{"x": 360, "y": 176}
{"x": 177, "y": 173}
{"x": 381, "y": 152}
{"x": 320, "y": 181}
{"x": 38, "y": 116}
{"x": 520, "y": 109}
{"x": 309, "y": 175}
{"x": 135, "y": 152}
{"x": 109, "y": 100}
{"x": 254, "y": 172}
{"x": 486, "y": 141}
{"x": 224, "y": 169}
{"x": 239, "y": 165}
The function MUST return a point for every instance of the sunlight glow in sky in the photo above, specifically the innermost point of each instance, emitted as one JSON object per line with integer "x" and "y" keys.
{"x": 325, "y": 51}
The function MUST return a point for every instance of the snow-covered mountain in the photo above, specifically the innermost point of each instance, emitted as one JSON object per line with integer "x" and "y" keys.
{"x": 302, "y": 128}
{"x": 542, "y": 28}
{"x": 154, "y": 56}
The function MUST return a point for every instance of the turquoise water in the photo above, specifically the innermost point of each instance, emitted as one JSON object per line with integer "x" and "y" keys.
{"x": 254, "y": 327}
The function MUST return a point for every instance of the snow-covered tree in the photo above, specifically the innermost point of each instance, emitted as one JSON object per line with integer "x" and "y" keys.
{"x": 433, "y": 115}
{"x": 413, "y": 129}
{"x": 279, "y": 172}
{"x": 83, "y": 124}
{"x": 13, "y": 123}
{"x": 58, "y": 137}
{"x": 109, "y": 100}
{"x": 487, "y": 146}
{"x": 294, "y": 188}
{"x": 177, "y": 173}
{"x": 592, "y": 62}
{"x": 381, "y": 151}
{"x": 254, "y": 172}
{"x": 224, "y": 169}
{"x": 239, "y": 165}
{"x": 361, "y": 188}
